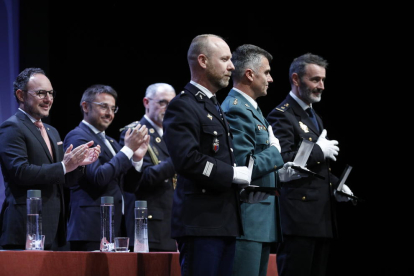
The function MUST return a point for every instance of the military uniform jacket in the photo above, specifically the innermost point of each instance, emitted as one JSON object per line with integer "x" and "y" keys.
{"x": 27, "y": 165}
{"x": 157, "y": 188}
{"x": 205, "y": 203}
{"x": 251, "y": 138}
{"x": 307, "y": 204}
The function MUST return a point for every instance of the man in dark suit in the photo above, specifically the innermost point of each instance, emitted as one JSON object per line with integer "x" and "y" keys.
{"x": 206, "y": 206}
{"x": 34, "y": 161}
{"x": 253, "y": 137}
{"x": 158, "y": 178}
{"x": 106, "y": 176}
{"x": 307, "y": 204}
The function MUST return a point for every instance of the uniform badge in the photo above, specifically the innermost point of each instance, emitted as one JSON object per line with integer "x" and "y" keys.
{"x": 216, "y": 144}
{"x": 200, "y": 94}
{"x": 209, "y": 116}
{"x": 152, "y": 130}
{"x": 303, "y": 127}
{"x": 235, "y": 101}
{"x": 158, "y": 140}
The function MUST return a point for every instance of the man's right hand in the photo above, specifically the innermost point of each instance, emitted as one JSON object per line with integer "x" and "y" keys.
{"x": 134, "y": 137}
{"x": 329, "y": 147}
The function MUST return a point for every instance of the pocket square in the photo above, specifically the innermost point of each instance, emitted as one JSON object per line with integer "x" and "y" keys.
{"x": 59, "y": 143}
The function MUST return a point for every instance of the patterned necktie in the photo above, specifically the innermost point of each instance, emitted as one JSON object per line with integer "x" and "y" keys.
{"x": 43, "y": 132}
{"x": 312, "y": 116}
{"x": 214, "y": 100}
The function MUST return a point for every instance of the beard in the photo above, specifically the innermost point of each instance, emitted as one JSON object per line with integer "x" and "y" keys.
{"x": 308, "y": 95}
{"x": 218, "y": 80}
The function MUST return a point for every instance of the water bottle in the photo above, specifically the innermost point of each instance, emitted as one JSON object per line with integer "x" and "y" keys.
{"x": 141, "y": 227}
{"x": 107, "y": 224}
{"x": 34, "y": 220}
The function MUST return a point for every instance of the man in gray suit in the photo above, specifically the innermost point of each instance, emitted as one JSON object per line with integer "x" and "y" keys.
{"x": 32, "y": 157}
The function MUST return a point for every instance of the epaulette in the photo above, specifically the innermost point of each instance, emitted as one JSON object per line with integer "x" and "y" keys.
{"x": 283, "y": 107}
{"x": 131, "y": 125}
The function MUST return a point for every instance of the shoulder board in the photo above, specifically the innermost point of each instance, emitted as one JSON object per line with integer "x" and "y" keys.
{"x": 131, "y": 125}
{"x": 283, "y": 107}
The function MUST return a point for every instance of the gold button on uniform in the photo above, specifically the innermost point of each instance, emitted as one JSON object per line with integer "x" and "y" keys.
{"x": 231, "y": 149}
{"x": 330, "y": 184}
{"x": 310, "y": 138}
{"x": 275, "y": 167}
{"x": 303, "y": 198}
{"x": 203, "y": 190}
{"x": 150, "y": 216}
{"x": 318, "y": 163}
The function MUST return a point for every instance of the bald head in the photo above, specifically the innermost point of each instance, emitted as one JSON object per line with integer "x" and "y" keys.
{"x": 209, "y": 59}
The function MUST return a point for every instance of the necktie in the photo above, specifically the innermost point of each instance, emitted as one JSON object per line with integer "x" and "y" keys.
{"x": 43, "y": 132}
{"x": 312, "y": 116}
{"x": 214, "y": 100}
{"x": 102, "y": 136}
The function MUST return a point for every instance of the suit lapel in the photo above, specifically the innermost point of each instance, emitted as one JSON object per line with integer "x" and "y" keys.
{"x": 248, "y": 105}
{"x": 304, "y": 118}
{"x": 35, "y": 131}
{"x": 208, "y": 104}
{"x": 97, "y": 140}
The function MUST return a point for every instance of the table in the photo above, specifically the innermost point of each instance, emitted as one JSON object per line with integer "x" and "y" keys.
{"x": 77, "y": 263}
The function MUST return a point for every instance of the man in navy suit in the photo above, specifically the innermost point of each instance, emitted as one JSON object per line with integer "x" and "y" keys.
{"x": 158, "y": 178}
{"x": 106, "y": 176}
{"x": 28, "y": 163}
{"x": 206, "y": 205}
{"x": 307, "y": 205}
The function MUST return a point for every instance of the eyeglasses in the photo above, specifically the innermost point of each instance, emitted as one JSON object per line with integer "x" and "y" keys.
{"x": 41, "y": 94}
{"x": 162, "y": 103}
{"x": 106, "y": 107}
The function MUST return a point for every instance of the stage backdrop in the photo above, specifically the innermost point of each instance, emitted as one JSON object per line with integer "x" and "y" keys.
{"x": 9, "y": 65}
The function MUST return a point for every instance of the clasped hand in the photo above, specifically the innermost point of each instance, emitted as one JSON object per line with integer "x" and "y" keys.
{"x": 137, "y": 139}
{"x": 82, "y": 155}
{"x": 287, "y": 173}
{"x": 329, "y": 147}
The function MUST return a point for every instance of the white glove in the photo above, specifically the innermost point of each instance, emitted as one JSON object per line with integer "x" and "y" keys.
{"x": 252, "y": 197}
{"x": 328, "y": 147}
{"x": 242, "y": 175}
{"x": 287, "y": 173}
{"x": 272, "y": 139}
{"x": 342, "y": 198}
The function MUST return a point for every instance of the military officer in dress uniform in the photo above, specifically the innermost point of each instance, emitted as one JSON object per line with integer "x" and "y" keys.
{"x": 307, "y": 205}
{"x": 158, "y": 178}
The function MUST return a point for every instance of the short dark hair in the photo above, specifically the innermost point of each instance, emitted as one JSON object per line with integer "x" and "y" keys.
{"x": 23, "y": 78}
{"x": 298, "y": 65}
{"x": 248, "y": 56}
{"x": 96, "y": 89}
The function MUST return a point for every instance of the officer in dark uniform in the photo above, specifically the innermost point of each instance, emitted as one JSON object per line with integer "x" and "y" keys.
{"x": 158, "y": 178}
{"x": 307, "y": 205}
{"x": 206, "y": 206}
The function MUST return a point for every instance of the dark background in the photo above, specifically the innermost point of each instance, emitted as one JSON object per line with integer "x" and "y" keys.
{"x": 130, "y": 46}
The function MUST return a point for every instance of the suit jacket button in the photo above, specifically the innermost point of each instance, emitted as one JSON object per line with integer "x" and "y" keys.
{"x": 203, "y": 191}
{"x": 166, "y": 180}
{"x": 303, "y": 198}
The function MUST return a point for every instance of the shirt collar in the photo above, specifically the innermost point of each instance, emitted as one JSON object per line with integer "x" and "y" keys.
{"x": 203, "y": 89}
{"x": 30, "y": 117}
{"x": 94, "y": 129}
{"x": 250, "y": 99}
{"x": 299, "y": 101}
{"x": 157, "y": 128}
